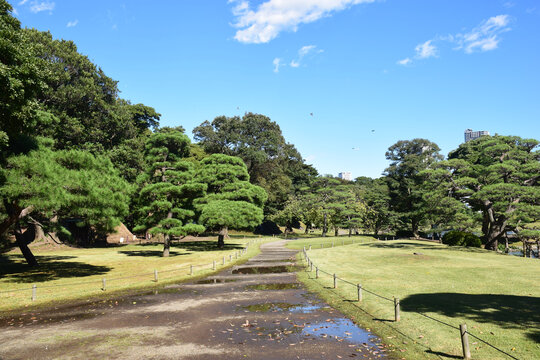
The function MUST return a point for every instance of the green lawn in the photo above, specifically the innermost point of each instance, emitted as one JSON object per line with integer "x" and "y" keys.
{"x": 496, "y": 295}
{"x": 66, "y": 274}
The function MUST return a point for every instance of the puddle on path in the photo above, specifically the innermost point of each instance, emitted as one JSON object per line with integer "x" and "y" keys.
{"x": 270, "y": 307}
{"x": 276, "y": 286}
{"x": 309, "y": 308}
{"x": 341, "y": 328}
{"x": 215, "y": 281}
{"x": 266, "y": 269}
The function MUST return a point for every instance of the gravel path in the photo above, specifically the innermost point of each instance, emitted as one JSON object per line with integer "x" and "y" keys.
{"x": 257, "y": 310}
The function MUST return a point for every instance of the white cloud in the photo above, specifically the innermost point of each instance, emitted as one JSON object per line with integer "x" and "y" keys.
{"x": 303, "y": 52}
{"x": 405, "y": 61}
{"x": 277, "y": 64}
{"x": 426, "y": 50}
{"x": 72, "y": 23}
{"x": 37, "y": 7}
{"x": 484, "y": 37}
{"x": 22, "y": 2}
{"x": 15, "y": 12}
{"x": 272, "y": 17}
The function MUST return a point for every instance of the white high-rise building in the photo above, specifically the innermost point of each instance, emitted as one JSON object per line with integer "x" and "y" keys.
{"x": 471, "y": 135}
{"x": 346, "y": 175}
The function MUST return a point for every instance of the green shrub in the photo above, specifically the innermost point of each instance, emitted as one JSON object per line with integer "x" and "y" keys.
{"x": 461, "y": 238}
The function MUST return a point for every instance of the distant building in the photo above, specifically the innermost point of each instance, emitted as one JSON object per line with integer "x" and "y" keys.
{"x": 346, "y": 175}
{"x": 471, "y": 135}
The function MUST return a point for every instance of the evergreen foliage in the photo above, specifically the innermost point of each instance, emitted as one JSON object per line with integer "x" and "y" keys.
{"x": 168, "y": 189}
{"x": 271, "y": 162}
{"x": 58, "y": 186}
{"x": 231, "y": 202}
{"x": 408, "y": 158}
{"x": 461, "y": 238}
{"x": 496, "y": 176}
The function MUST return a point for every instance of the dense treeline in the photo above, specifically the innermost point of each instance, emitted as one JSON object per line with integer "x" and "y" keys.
{"x": 76, "y": 159}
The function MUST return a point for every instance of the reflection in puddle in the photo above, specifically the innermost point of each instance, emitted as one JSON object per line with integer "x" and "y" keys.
{"x": 266, "y": 269}
{"x": 309, "y": 308}
{"x": 215, "y": 281}
{"x": 273, "y": 307}
{"x": 275, "y": 286}
{"x": 341, "y": 329}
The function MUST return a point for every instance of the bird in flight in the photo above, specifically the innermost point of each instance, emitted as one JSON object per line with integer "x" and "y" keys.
{"x": 311, "y": 114}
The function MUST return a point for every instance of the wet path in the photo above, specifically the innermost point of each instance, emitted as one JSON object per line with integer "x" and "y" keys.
{"x": 256, "y": 311}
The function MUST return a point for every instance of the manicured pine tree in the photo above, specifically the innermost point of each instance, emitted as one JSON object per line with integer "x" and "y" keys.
{"x": 231, "y": 201}
{"x": 497, "y": 176}
{"x": 56, "y": 185}
{"x": 168, "y": 189}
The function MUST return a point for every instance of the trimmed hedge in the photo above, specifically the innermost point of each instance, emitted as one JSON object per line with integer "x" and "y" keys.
{"x": 461, "y": 238}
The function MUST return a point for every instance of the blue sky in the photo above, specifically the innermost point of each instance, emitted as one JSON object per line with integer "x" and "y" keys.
{"x": 370, "y": 72}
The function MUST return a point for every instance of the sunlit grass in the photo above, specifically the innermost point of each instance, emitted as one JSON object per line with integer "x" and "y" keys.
{"x": 66, "y": 274}
{"x": 497, "y": 296}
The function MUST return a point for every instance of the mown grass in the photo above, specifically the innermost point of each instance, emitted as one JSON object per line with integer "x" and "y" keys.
{"x": 439, "y": 287}
{"x": 69, "y": 274}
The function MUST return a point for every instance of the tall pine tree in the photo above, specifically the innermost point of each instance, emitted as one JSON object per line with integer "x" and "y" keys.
{"x": 168, "y": 189}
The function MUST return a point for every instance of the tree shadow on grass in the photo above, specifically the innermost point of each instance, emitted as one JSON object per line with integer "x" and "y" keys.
{"x": 406, "y": 245}
{"x": 150, "y": 253}
{"x": 14, "y": 269}
{"x": 206, "y": 246}
{"x": 506, "y": 311}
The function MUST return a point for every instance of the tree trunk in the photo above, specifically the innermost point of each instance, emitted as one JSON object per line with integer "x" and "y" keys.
{"x": 336, "y": 231}
{"x": 325, "y": 226}
{"x": 167, "y": 239}
{"x": 166, "y": 245}
{"x": 221, "y": 237}
{"x": 307, "y": 230}
{"x": 350, "y": 232}
{"x": 414, "y": 225}
{"x": 23, "y": 239}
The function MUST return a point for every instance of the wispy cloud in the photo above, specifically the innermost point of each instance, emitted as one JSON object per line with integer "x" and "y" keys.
{"x": 39, "y": 6}
{"x": 72, "y": 23}
{"x": 484, "y": 37}
{"x": 277, "y": 64}
{"x": 302, "y": 53}
{"x": 426, "y": 50}
{"x": 405, "y": 61}
{"x": 272, "y": 17}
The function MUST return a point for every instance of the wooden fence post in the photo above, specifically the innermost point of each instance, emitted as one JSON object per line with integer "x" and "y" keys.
{"x": 335, "y": 281}
{"x": 155, "y": 275}
{"x": 34, "y": 292}
{"x": 190, "y": 269}
{"x": 359, "y": 288}
{"x": 230, "y": 257}
{"x": 342, "y": 242}
{"x": 322, "y": 245}
{"x": 309, "y": 247}
{"x": 311, "y": 266}
{"x": 316, "y": 272}
{"x": 224, "y": 260}
{"x": 214, "y": 265}
{"x": 396, "y": 310}
{"x": 465, "y": 341}
{"x": 104, "y": 284}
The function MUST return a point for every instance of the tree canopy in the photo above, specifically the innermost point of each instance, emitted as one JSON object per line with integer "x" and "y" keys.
{"x": 231, "y": 201}
{"x": 496, "y": 176}
{"x": 408, "y": 158}
{"x": 168, "y": 188}
{"x": 271, "y": 162}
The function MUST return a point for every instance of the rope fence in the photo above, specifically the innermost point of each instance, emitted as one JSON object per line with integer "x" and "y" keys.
{"x": 464, "y": 334}
{"x": 237, "y": 254}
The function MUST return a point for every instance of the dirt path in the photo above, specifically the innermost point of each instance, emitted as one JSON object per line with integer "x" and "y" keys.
{"x": 257, "y": 310}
